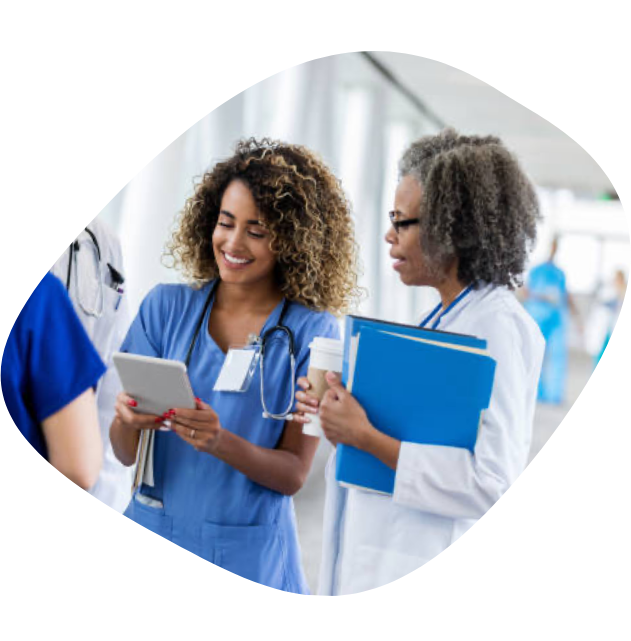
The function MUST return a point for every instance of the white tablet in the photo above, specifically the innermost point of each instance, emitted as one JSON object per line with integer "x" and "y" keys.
{"x": 156, "y": 384}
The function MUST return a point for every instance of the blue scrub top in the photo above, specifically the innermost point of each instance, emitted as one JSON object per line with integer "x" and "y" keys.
{"x": 210, "y": 508}
{"x": 547, "y": 280}
{"x": 48, "y": 360}
{"x": 553, "y": 319}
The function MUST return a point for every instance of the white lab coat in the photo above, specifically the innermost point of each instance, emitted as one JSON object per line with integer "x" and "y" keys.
{"x": 113, "y": 486}
{"x": 440, "y": 492}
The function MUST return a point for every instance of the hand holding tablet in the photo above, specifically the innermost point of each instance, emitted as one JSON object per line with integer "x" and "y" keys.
{"x": 155, "y": 384}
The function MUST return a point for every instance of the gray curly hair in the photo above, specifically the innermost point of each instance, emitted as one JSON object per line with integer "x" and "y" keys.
{"x": 477, "y": 206}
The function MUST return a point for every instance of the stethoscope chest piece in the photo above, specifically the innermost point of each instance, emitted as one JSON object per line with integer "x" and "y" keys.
{"x": 240, "y": 364}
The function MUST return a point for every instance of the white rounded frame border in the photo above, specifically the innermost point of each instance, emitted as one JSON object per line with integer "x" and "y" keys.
{"x": 544, "y": 496}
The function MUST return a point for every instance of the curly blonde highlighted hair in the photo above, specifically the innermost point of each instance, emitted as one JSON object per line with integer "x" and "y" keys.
{"x": 305, "y": 210}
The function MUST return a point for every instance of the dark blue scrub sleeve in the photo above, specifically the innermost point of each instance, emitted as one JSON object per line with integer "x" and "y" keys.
{"x": 63, "y": 363}
{"x": 48, "y": 361}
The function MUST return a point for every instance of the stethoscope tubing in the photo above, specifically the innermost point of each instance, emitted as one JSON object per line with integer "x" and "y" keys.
{"x": 72, "y": 257}
{"x": 280, "y": 326}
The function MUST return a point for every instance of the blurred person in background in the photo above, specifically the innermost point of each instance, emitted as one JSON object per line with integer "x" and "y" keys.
{"x": 613, "y": 306}
{"x": 547, "y": 300}
{"x": 49, "y": 372}
{"x": 92, "y": 271}
{"x": 464, "y": 219}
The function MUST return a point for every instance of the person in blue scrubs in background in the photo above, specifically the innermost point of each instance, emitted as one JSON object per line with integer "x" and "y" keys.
{"x": 49, "y": 372}
{"x": 266, "y": 230}
{"x": 612, "y": 306}
{"x": 548, "y": 301}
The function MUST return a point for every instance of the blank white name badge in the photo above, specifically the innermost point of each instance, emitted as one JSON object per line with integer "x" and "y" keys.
{"x": 238, "y": 369}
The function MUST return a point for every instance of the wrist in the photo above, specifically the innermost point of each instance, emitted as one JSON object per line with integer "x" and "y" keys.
{"x": 217, "y": 443}
{"x": 366, "y": 437}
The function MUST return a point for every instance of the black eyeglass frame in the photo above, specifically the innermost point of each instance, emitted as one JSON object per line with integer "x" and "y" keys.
{"x": 406, "y": 222}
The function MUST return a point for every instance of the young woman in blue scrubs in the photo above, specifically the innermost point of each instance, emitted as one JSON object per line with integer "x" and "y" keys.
{"x": 268, "y": 230}
{"x": 49, "y": 372}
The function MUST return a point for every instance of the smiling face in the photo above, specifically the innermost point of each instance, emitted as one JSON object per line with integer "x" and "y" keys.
{"x": 405, "y": 248}
{"x": 241, "y": 243}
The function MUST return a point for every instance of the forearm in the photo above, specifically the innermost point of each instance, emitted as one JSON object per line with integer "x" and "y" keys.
{"x": 124, "y": 442}
{"x": 74, "y": 441}
{"x": 277, "y": 469}
{"x": 382, "y": 446}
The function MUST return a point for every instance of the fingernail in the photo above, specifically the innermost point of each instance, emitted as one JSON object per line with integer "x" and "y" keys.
{"x": 199, "y": 400}
{"x": 132, "y": 402}
{"x": 158, "y": 420}
{"x": 171, "y": 412}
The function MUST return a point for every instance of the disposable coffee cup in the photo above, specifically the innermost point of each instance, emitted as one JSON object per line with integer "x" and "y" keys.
{"x": 326, "y": 356}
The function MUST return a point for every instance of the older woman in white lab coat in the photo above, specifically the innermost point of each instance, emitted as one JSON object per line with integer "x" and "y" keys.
{"x": 464, "y": 219}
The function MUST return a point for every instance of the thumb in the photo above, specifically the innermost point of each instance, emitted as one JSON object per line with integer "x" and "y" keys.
{"x": 333, "y": 379}
{"x": 200, "y": 405}
{"x": 335, "y": 385}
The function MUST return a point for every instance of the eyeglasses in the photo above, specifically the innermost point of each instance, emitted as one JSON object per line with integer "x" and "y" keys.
{"x": 406, "y": 222}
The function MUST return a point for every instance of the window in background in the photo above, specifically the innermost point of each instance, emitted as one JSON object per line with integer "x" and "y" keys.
{"x": 615, "y": 256}
{"x": 579, "y": 256}
{"x": 397, "y": 300}
{"x": 361, "y": 162}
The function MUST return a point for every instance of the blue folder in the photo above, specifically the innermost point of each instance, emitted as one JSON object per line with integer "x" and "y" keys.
{"x": 416, "y": 392}
{"x": 355, "y": 324}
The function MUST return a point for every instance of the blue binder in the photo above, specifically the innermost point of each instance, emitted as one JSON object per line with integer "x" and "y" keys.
{"x": 355, "y": 324}
{"x": 417, "y": 392}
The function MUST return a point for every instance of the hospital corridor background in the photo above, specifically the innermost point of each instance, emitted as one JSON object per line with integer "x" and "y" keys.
{"x": 359, "y": 111}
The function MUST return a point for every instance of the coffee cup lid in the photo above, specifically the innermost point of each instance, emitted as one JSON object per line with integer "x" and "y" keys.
{"x": 326, "y": 344}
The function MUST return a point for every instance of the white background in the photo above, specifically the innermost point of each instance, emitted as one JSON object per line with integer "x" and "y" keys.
{"x": 537, "y": 504}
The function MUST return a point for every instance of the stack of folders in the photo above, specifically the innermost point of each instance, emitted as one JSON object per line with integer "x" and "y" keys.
{"x": 416, "y": 385}
{"x": 144, "y": 460}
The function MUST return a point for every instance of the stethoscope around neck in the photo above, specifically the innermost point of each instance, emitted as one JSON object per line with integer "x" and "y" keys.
{"x": 262, "y": 343}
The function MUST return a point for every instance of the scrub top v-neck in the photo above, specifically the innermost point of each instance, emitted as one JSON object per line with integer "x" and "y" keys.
{"x": 210, "y": 508}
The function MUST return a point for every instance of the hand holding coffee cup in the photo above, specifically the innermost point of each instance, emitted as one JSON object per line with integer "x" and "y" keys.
{"x": 326, "y": 356}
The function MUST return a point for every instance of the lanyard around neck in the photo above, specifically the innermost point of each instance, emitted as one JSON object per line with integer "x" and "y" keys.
{"x": 438, "y": 307}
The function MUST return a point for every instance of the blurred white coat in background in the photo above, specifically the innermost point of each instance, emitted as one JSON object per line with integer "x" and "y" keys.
{"x": 102, "y": 308}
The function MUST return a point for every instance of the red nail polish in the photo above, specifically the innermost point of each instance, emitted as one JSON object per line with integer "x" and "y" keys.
{"x": 131, "y": 402}
{"x": 199, "y": 400}
{"x": 158, "y": 420}
{"x": 171, "y": 413}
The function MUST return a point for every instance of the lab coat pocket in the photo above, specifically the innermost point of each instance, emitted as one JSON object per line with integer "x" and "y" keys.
{"x": 112, "y": 300}
{"x": 373, "y": 567}
{"x": 255, "y": 552}
{"x": 152, "y": 518}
